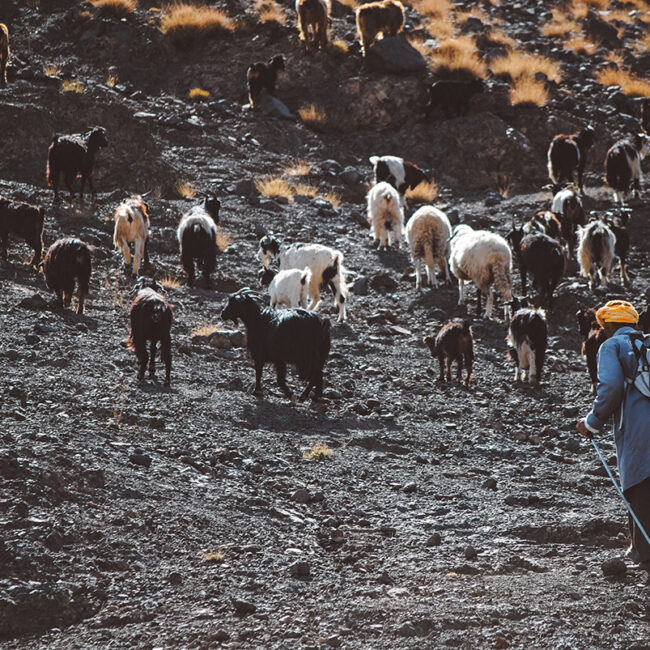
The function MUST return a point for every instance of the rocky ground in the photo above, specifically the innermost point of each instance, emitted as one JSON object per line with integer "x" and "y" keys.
{"x": 135, "y": 516}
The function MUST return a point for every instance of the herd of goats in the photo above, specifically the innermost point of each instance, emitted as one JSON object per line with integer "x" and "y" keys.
{"x": 297, "y": 336}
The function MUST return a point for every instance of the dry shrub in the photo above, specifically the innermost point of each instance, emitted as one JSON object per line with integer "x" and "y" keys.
{"x": 297, "y": 168}
{"x": 72, "y": 86}
{"x": 313, "y": 116}
{"x": 629, "y": 83}
{"x": 581, "y": 45}
{"x": 527, "y": 91}
{"x": 306, "y": 189}
{"x": 522, "y": 64}
{"x": 350, "y": 4}
{"x": 642, "y": 45}
{"x": 273, "y": 186}
{"x": 270, "y": 12}
{"x": 186, "y": 190}
{"x": 169, "y": 281}
{"x": 640, "y": 5}
{"x": 473, "y": 12}
{"x": 184, "y": 21}
{"x": 459, "y": 54}
{"x": 119, "y": 8}
{"x": 199, "y": 94}
{"x": 440, "y": 28}
{"x": 498, "y": 36}
{"x": 426, "y": 192}
{"x": 319, "y": 451}
{"x": 614, "y": 57}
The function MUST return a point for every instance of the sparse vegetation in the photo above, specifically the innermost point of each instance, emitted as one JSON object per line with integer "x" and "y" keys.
{"x": 204, "y": 330}
{"x": 72, "y": 86}
{"x": 51, "y": 70}
{"x": 199, "y": 94}
{"x": 338, "y": 47}
{"x": 186, "y": 190}
{"x": 216, "y": 557}
{"x": 169, "y": 281}
{"x": 459, "y": 55}
{"x": 581, "y": 45}
{"x": 319, "y": 451}
{"x": 519, "y": 64}
{"x": 224, "y": 239}
{"x": 274, "y": 187}
{"x": 270, "y": 12}
{"x": 527, "y": 91}
{"x": 298, "y": 168}
{"x": 111, "y": 80}
{"x": 426, "y": 192}
{"x": 629, "y": 83}
{"x": 184, "y": 21}
{"x": 119, "y": 8}
{"x": 313, "y": 116}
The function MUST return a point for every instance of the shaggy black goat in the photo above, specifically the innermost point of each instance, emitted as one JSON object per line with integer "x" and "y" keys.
{"x": 197, "y": 236}
{"x": 262, "y": 76}
{"x": 292, "y": 336}
{"x": 454, "y": 342}
{"x": 151, "y": 320}
{"x": 593, "y": 336}
{"x": 72, "y": 156}
{"x": 569, "y": 152}
{"x": 66, "y": 261}
{"x": 543, "y": 257}
{"x": 22, "y": 220}
{"x": 527, "y": 338}
{"x": 623, "y": 165}
{"x": 452, "y": 96}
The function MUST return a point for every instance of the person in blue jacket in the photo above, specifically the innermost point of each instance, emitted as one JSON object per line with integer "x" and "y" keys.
{"x": 619, "y": 399}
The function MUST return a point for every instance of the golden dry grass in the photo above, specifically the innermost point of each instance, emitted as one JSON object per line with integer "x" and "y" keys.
{"x": 440, "y": 27}
{"x": 350, "y": 4}
{"x": 338, "y": 47}
{"x": 313, "y": 116}
{"x": 528, "y": 91}
{"x": 210, "y": 556}
{"x": 297, "y": 168}
{"x": 559, "y": 26}
{"x": 204, "y": 330}
{"x": 426, "y": 192}
{"x": 119, "y": 8}
{"x": 319, "y": 451}
{"x": 473, "y": 12}
{"x": 581, "y": 45}
{"x": 618, "y": 14}
{"x": 459, "y": 54}
{"x": 224, "y": 239}
{"x": 333, "y": 197}
{"x": 183, "y": 21}
{"x": 169, "y": 281}
{"x": 522, "y": 64}
{"x": 640, "y": 5}
{"x": 273, "y": 187}
{"x": 186, "y": 190}
{"x": 498, "y": 36}
{"x": 629, "y": 83}
{"x": 72, "y": 86}
{"x": 441, "y": 9}
{"x": 111, "y": 80}
{"x": 270, "y": 12}
{"x": 50, "y": 70}
{"x": 305, "y": 189}
{"x": 198, "y": 94}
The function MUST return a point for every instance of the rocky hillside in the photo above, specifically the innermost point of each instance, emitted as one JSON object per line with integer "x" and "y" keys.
{"x": 399, "y": 512}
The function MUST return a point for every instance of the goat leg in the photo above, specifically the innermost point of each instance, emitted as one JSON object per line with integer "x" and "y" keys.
{"x": 259, "y": 366}
{"x": 166, "y": 355}
{"x": 441, "y": 361}
{"x": 142, "y": 359}
{"x": 281, "y": 373}
{"x": 3, "y": 237}
{"x": 68, "y": 179}
{"x": 146, "y": 252}
{"x": 459, "y": 372}
{"x": 152, "y": 361}
{"x": 449, "y": 362}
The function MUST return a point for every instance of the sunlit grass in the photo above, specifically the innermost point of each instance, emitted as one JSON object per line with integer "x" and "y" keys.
{"x": 319, "y": 451}
{"x": 522, "y": 64}
{"x": 426, "y": 192}
{"x": 459, "y": 54}
{"x": 528, "y": 91}
{"x": 119, "y": 8}
{"x": 199, "y": 94}
{"x": 186, "y": 190}
{"x": 72, "y": 86}
{"x": 183, "y": 21}
{"x": 629, "y": 83}
{"x": 270, "y": 11}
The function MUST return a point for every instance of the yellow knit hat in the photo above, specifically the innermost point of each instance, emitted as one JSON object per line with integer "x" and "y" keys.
{"x": 617, "y": 311}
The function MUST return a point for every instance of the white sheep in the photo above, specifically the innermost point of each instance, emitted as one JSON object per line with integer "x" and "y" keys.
{"x": 596, "y": 251}
{"x": 385, "y": 214}
{"x": 289, "y": 288}
{"x": 132, "y": 226}
{"x": 484, "y": 258}
{"x": 325, "y": 263}
{"x": 428, "y": 233}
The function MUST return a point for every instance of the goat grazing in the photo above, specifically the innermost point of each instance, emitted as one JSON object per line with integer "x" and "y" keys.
{"x": 385, "y": 17}
{"x": 567, "y": 153}
{"x": 262, "y": 76}
{"x": 596, "y": 251}
{"x": 325, "y": 263}
{"x": 197, "y": 236}
{"x": 66, "y": 261}
{"x": 289, "y": 288}
{"x": 24, "y": 221}
{"x": 543, "y": 257}
{"x": 567, "y": 207}
{"x": 401, "y": 174}
{"x": 4, "y": 54}
{"x": 72, "y": 156}
{"x": 623, "y": 165}
{"x": 132, "y": 226}
{"x": 385, "y": 215}
{"x": 428, "y": 233}
{"x": 618, "y": 225}
{"x": 484, "y": 258}
{"x": 454, "y": 342}
{"x": 288, "y": 337}
{"x": 151, "y": 321}
{"x": 527, "y": 338}
{"x": 452, "y": 96}
{"x": 313, "y": 19}
{"x": 593, "y": 336}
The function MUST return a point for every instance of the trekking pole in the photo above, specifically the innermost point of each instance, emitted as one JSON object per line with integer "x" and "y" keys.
{"x": 620, "y": 492}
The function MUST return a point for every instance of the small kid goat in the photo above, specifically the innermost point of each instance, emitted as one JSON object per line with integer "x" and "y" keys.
{"x": 313, "y": 19}
{"x": 385, "y": 17}
{"x": 289, "y": 288}
{"x": 527, "y": 338}
{"x": 385, "y": 215}
{"x": 593, "y": 336}
{"x": 454, "y": 342}
{"x": 132, "y": 226}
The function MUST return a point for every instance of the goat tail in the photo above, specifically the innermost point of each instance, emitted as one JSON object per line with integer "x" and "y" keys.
{"x": 428, "y": 256}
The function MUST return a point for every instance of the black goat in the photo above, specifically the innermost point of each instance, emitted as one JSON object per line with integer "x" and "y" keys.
{"x": 25, "y": 221}
{"x": 593, "y": 336}
{"x": 527, "y": 339}
{"x": 452, "y": 96}
{"x": 291, "y": 336}
{"x": 543, "y": 257}
{"x": 66, "y": 261}
{"x": 151, "y": 320}
{"x": 72, "y": 156}
{"x": 567, "y": 153}
{"x": 454, "y": 342}
{"x": 262, "y": 76}
{"x": 197, "y": 236}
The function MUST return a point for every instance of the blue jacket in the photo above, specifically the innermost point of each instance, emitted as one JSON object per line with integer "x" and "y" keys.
{"x": 616, "y": 362}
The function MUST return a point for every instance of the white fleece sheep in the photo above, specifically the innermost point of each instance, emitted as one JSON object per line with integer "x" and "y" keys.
{"x": 385, "y": 214}
{"x": 132, "y": 227}
{"x": 484, "y": 258}
{"x": 596, "y": 251}
{"x": 428, "y": 233}
{"x": 290, "y": 288}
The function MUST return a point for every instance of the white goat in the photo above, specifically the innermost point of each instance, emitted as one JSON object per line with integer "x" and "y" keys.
{"x": 325, "y": 263}
{"x": 385, "y": 214}
{"x": 289, "y": 288}
{"x": 428, "y": 233}
{"x": 132, "y": 226}
{"x": 484, "y": 258}
{"x": 596, "y": 251}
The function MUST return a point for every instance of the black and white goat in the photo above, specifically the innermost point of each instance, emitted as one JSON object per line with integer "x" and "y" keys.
{"x": 527, "y": 340}
{"x": 567, "y": 207}
{"x": 623, "y": 165}
{"x": 568, "y": 153}
{"x": 151, "y": 321}
{"x": 325, "y": 263}
{"x": 545, "y": 222}
{"x": 596, "y": 251}
{"x": 400, "y": 173}
{"x": 197, "y": 236}
{"x": 288, "y": 337}
{"x": 618, "y": 225}
{"x": 262, "y": 76}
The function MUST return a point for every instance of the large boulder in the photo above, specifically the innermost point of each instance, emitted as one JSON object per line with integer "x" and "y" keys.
{"x": 395, "y": 54}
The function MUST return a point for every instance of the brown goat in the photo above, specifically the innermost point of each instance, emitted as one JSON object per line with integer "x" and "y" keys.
{"x": 4, "y": 54}
{"x": 593, "y": 336}
{"x": 313, "y": 19}
{"x": 386, "y": 17}
{"x": 454, "y": 342}
{"x": 25, "y": 221}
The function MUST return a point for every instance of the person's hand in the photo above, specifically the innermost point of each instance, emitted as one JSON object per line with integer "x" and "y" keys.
{"x": 582, "y": 428}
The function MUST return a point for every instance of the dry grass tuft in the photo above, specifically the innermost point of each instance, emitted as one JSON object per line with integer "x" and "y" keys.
{"x": 426, "y": 192}
{"x": 333, "y": 197}
{"x": 319, "y": 451}
{"x": 217, "y": 557}
{"x": 186, "y": 190}
{"x": 298, "y": 168}
{"x": 270, "y": 12}
{"x": 72, "y": 86}
{"x": 629, "y": 83}
{"x": 119, "y": 8}
{"x": 338, "y": 47}
{"x": 618, "y": 15}
{"x": 313, "y": 116}
{"x": 581, "y": 45}
{"x": 350, "y": 4}
{"x": 440, "y": 9}
{"x": 459, "y": 54}
{"x": 527, "y": 91}
{"x": 224, "y": 239}
{"x": 204, "y": 330}
{"x": 273, "y": 186}
{"x": 498, "y": 36}
{"x": 111, "y": 80}
{"x": 50, "y": 70}
{"x": 560, "y": 25}
{"x": 198, "y": 94}
{"x": 184, "y": 21}
{"x": 522, "y": 64}
{"x": 169, "y": 281}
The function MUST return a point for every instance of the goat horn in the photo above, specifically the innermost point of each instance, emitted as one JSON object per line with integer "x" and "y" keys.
{"x": 146, "y": 194}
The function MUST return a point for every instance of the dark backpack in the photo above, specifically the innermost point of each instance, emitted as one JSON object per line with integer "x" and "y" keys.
{"x": 641, "y": 378}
